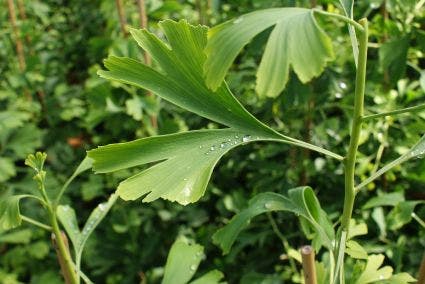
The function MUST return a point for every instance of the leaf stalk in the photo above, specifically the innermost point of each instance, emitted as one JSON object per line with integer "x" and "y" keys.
{"x": 359, "y": 27}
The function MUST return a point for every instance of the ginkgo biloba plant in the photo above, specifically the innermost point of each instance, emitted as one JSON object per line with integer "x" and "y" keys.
{"x": 192, "y": 63}
{"x": 191, "y": 66}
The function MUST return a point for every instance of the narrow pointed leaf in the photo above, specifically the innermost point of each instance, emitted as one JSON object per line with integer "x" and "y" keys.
{"x": 295, "y": 40}
{"x": 182, "y": 262}
{"x": 92, "y": 222}
{"x": 417, "y": 151}
{"x": 9, "y": 212}
{"x": 67, "y": 217}
{"x": 300, "y": 201}
{"x": 347, "y": 6}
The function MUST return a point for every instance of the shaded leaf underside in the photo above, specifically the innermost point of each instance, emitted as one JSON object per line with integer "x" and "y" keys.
{"x": 300, "y": 201}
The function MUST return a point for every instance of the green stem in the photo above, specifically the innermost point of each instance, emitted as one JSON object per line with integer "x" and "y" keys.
{"x": 283, "y": 240}
{"x": 350, "y": 161}
{"x": 418, "y": 219}
{"x": 69, "y": 272}
{"x": 358, "y": 26}
{"x": 36, "y": 223}
{"x": 395, "y": 112}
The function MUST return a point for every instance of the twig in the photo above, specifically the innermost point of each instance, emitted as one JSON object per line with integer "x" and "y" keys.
{"x": 15, "y": 30}
{"x": 148, "y": 60}
{"x": 36, "y": 223}
{"x": 121, "y": 15}
{"x": 66, "y": 272}
{"x": 421, "y": 275}
{"x": 309, "y": 266}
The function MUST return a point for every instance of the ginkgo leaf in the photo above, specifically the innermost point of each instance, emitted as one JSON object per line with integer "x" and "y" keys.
{"x": 181, "y": 81}
{"x": 373, "y": 271}
{"x": 300, "y": 201}
{"x": 9, "y": 212}
{"x": 296, "y": 41}
{"x": 185, "y": 161}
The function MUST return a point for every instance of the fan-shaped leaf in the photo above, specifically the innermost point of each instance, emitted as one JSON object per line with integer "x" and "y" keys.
{"x": 296, "y": 41}
{"x": 187, "y": 162}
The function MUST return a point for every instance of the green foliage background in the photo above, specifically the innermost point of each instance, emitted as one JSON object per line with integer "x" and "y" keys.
{"x": 59, "y": 105}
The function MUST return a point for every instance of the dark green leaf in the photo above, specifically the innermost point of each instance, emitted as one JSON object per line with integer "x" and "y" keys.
{"x": 300, "y": 201}
{"x": 387, "y": 199}
{"x": 393, "y": 57}
{"x": 401, "y": 214}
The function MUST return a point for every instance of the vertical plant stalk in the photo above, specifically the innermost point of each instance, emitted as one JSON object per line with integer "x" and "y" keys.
{"x": 62, "y": 249}
{"x": 421, "y": 275}
{"x": 121, "y": 16}
{"x": 23, "y": 17}
{"x": 16, "y": 35}
{"x": 60, "y": 242}
{"x": 350, "y": 160}
{"x": 141, "y": 5}
{"x": 309, "y": 265}
{"x": 61, "y": 260}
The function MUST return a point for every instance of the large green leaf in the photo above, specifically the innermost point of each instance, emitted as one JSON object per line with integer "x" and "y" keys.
{"x": 295, "y": 41}
{"x": 300, "y": 201}
{"x": 185, "y": 160}
{"x": 189, "y": 160}
{"x": 182, "y": 262}
{"x": 180, "y": 80}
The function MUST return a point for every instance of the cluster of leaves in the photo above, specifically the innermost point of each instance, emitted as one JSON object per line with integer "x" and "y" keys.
{"x": 135, "y": 238}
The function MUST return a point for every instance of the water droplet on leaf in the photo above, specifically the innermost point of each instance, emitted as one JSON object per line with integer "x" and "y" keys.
{"x": 246, "y": 138}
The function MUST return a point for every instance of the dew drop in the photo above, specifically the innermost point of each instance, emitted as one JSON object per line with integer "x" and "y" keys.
{"x": 223, "y": 145}
{"x": 200, "y": 146}
{"x": 199, "y": 253}
{"x": 229, "y": 140}
{"x": 236, "y": 136}
{"x": 102, "y": 207}
{"x": 65, "y": 208}
{"x": 246, "y": 138}
{"x": 381, "y": 277}
{"x": 185, "y": 179}
{"x": 212, "y": 148}
{"x": 342, "y": 85}
{"x": 238, "y": 20}
{"x": 193, "y": 267}
{"x": 268, "y": 205}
